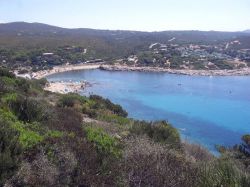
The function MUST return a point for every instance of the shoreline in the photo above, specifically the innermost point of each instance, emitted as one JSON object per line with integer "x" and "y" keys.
{"x": 106, "y": 67}
{"x": 235, "y": 72}
{"x": 63, "y": 68}
{"x": 75, "y": 87}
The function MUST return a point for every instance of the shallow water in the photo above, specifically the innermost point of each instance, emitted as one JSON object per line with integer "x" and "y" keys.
{"x": 206, "y": 110}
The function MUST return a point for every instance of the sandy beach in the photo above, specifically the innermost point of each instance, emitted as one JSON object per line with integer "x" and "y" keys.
{"x": 239, "y": 72}
{"x": 63, "y": 68}
{"x": 60, "y": 86}
{"x": 66, "y": 87}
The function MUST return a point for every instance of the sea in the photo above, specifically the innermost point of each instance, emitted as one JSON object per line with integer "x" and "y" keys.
{"x": 207, "y": 110}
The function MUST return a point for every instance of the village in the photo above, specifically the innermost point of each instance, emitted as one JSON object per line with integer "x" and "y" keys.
{"x": 192, "y": 56}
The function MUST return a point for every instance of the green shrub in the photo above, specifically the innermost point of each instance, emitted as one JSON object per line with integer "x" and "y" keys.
{"x": 6, "y": 115}
{"x": 101, "y": 103}
{"x": 158, "y": 131}
{"x": 56, "y": 134}
{"x": 39, "y": 83}
{"x": 90, "y": 112}
{"x": 9, "y": 98}
{"x": 27, "y": 138}
{"x": 8, "y": 81}
{"x": 23, "y": 85}
{"x": 6, "y": 73}
{"x": 29, "y": 109}
{"x": 114, "y": 119}
{"x": 10, "y": 150}
{"x": 69, "y": 100}
{"x": 30, "y": 135}
{"x": 104, "y": 143}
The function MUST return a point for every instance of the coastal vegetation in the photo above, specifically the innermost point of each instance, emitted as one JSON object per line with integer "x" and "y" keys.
{"x": 51, "y": 139}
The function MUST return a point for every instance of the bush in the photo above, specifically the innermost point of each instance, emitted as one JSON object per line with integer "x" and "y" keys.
{"x": 196, "y": 152}
{"x": 90, "y": 112}
{"x": 9, "y": 98}
{"x": 38, "y": 171}
{"x": 7, "y": 85}
{"x": 222, "y": 172}
{"x": 30, "y": 110}
{"x": 158, "y": 131}
{"x": 71, "y": 99}
{"x": 104, "y": 143}
{"x": 246, "y": 139}
{"x": 101, "y": 103}
{"x": 65, "y": 119}
{"x": 114, "y": 119}
{"x": 10, "y": 150}
{"x": 27, "y": 138}
{"x": 23, "y": 85}
{"x": 6, "y": 73}
{"x": 79, "y": 164}
{"x": 39, "y": 83}
{"x": 147, "y": 163}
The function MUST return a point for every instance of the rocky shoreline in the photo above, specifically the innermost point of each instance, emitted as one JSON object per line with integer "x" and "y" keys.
{"x": 235, "y": 72}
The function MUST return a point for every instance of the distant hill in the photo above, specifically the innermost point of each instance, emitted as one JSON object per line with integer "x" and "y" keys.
{"x": 23, "y": 29}
{"x": 247, "y": 31}
{"x": 104, "y": 43}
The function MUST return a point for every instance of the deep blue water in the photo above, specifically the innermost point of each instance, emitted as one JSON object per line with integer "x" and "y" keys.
{"x": 206, "y": 110}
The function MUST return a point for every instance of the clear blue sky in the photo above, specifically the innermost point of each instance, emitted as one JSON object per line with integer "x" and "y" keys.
{"x": 146, "y": 15}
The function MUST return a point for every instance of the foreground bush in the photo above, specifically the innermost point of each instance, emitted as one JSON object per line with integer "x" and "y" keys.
{"x": 222, "y": 172}
{"x": 69, "y": 100}
{"x": 10, "y": 150}
{"x": 106, "y": 103}
{"x": 105, "y": 144}
{"x": 158, "y": 131}
{"x": 197, "y": 153}
{"x": 150, "y": 164}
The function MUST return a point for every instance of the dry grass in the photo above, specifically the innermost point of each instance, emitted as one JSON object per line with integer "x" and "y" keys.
{"x": 150, "y": 164}
{"x": 196, "y": 153}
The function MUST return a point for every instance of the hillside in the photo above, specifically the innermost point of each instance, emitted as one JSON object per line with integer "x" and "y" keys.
{"x": 50, "y": 139}
{"x": 23, "y": 44}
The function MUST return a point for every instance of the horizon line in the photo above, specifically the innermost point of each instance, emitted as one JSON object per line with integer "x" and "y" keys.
{"x": 105, "y": 29}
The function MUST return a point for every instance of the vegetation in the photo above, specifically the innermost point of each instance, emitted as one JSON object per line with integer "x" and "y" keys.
{"x": 160, "y": 132}
{"x": 104, "y": 143}
{"x": 49, "y": 139}
{"x": 33, "y": 47}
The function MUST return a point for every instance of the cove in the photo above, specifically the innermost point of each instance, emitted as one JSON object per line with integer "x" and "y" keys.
{"x": 206, "y": 110}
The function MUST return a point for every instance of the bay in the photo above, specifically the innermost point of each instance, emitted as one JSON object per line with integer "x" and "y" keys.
{"x": 206, "y": 110}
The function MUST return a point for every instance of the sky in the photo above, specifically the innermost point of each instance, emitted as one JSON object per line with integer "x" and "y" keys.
{"x": 141, "y": 15}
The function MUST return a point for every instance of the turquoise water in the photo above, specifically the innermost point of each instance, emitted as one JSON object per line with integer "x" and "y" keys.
{"x": 206, "y": 110}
